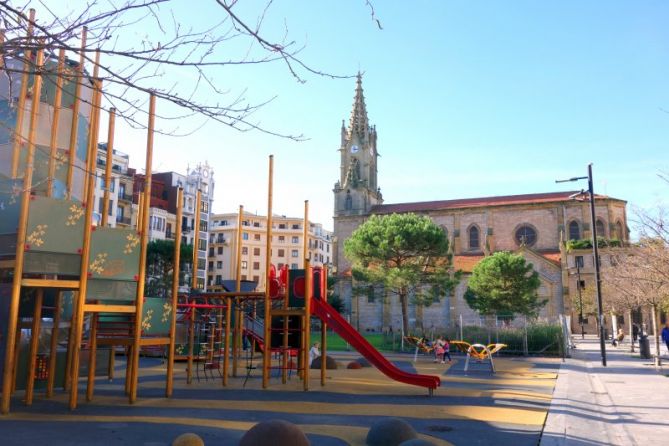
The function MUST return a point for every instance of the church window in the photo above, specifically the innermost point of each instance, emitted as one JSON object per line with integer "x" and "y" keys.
{"x": 474, "y": 238}
{"x": 599, "y": 226}
{"x": 526, "y": 235}
{"x": 574, "y": 230}
{"x": 619, "y": 231}
{"x": 348, "y": 205}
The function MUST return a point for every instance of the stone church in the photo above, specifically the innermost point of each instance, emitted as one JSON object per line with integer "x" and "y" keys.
{"x": 534, "y": 225}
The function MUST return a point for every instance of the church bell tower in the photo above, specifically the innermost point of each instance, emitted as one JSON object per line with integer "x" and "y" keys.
{"x": 357, "y": 190}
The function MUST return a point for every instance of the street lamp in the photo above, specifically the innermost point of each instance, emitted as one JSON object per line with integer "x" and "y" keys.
{"x": 580, "y": 296}
{"x": 595, "y": 248}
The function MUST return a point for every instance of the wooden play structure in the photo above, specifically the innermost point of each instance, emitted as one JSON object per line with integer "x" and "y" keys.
{"x": 59, "y": 265}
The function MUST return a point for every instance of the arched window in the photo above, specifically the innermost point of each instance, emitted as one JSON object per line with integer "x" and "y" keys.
{"x": 620, "y": 234}
{"x": 474, "y": 238}
{"x": 574, "y": 230}
{"x": 348, "y": 204}
{"x": 601, "y": 229}
{"x": 526, "y": 235}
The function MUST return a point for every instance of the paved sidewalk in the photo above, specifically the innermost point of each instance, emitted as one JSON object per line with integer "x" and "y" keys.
{"x": 625, "y": 403}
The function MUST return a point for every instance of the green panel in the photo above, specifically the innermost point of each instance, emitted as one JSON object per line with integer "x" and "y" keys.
{"x": 114, "y": 254}
{"x": 156, "y": 316}
{"x": 10, "y": 205}
{"x": 55, "y": 226}
{"x": 293, "y": 300}
{"x": 52, "y": 263}
{"x": 112, "y": 290}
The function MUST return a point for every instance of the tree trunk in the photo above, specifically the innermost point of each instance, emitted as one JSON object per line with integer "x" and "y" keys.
{"x": 658, "y": 360}
{"x": 405, "y": 311}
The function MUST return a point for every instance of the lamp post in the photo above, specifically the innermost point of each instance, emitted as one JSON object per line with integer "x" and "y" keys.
{"x": 580, "y": 296}
{"x": 595, "y": 249}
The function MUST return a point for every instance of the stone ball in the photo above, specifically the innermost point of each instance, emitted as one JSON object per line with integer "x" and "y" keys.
{"x": 188, "y": 439}
{"x": 363, "y": 362}
{"x": 354, "y": 365}
{"x": 274, "y": 433}
{"x": 390, "y": 432}
{"x": 416, "y": 442}
{"x": 330, "y": 363}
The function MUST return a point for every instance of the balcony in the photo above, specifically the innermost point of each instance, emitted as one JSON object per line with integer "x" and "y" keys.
{"x": 122, "y": 220}
{"x": 125, "y": 197}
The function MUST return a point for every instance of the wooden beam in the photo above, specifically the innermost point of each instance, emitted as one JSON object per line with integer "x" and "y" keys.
{"x": 101, "y": 308}
{"x": 175, "y": 295}
{"x": 50, "y": 283}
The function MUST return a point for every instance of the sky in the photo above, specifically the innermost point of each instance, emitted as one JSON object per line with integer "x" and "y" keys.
{"x": 469, "y": 99}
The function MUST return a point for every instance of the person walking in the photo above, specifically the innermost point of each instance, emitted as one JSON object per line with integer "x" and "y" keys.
{"x": 438, "y": 348}
{"x": 665, "y": 335}
{"x": 447, "y": 351}
{"x": 635, "y": 332}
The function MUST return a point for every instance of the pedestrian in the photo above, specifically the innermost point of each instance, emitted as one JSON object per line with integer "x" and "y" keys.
{"x": 618, "y": 338}
{"x": 635, "y": 332}
{"x": 314, "y": 352}
{"x": 447, "y": 351}
{"x": 665, "y": 335}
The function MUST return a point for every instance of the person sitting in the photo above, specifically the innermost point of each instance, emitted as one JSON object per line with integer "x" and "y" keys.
{"x": 314, "y": 352}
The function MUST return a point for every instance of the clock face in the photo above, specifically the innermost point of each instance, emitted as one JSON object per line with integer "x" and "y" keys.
{"x": 354, "y": 149}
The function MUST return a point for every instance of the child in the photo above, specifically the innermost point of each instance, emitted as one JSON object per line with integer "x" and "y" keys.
{"x": 438, "y": 348}
{"x": 314, "y": 352}
{"x": 447, "y": 351}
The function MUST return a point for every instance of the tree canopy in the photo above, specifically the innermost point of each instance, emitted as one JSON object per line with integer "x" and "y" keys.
{"x": 504, "y": 283}
{"x": 160, "y": 264}
{"x": 406, "y": 254}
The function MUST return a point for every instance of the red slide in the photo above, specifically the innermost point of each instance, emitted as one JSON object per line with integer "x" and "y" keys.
{"x": 334, "y": 320}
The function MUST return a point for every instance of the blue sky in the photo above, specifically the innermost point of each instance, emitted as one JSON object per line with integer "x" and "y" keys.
{"x": 469, "y": 99}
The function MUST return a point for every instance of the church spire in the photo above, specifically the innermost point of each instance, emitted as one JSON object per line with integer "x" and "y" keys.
{"x": 359, "y": 124}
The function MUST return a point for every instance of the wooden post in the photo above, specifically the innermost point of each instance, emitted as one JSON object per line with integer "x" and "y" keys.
{"x": 175, "y": 295}
{"x": 20, "y": 111}
{"x": 92, "y": 359}
{"x": 139, "y": 304}
{"x": 93, "y": 125}
{"x": 324, "y": 325}
{"x": 53, "y": 348}
{"x": 267, "y": 351}
{"x": 140, "y": 214}
{"x": 70, "y": 343}
{"x": 308, "y": 291}
{"x": 34, "y": 344}
{"x": 237, "y": 334}
{"x": 286, "y": 327}
{"x": 226, "y": 340}
{"x": 74, "y": 126}
{"x": 12, "y": 320}
{"x": 110, "y": 364}
{"x": 78, "y": 315}
{"x": 191, "y": 320}
{"x": 108, "y": 166}
{"x": 53, "y": 142}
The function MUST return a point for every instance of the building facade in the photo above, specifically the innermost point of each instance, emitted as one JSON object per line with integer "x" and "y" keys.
{"x": 534, "y": 225}
{"x": 287, "y": 246}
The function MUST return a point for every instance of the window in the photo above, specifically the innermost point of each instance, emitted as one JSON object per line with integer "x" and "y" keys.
{"x": 256, "y": 265}
{"x": 202, "y": 245}
{"x": 245, "y": 223}
{"x": 295, "y": 239}
{"x": 574, "y": 230}
{"x": 203, "y": 225}
{"x": 256, "y": 251}
{"x": 581, "y": 284}
{"x": 620, "y": 235}
{"x": 256, "y": 279}
{"x": 243, "y": 276}
{"x": 219, "y": 279}
{"x": 599, "y": 227}
{"x": 348, "y": 204}
{"x": 219, "y": 265}
{"x": 204, "y": 207}
{"x": 201, "y": 264}
{"x": 526, "y": 235}
{"x": 294, "y": 253}
{"x": 282, "y": 239}
{"x": 256, "y": 237}
{"x": 219, "y": 251}
{"x": 220, "y": 238}
{"x": 282, "y": 252}
{"x": 245, "y": 236}
{"x": 579, "y": 261}
{"x": 293, "y": 266}
{"x": 223, "y": 223}
{"x": 211, "y": 252}
{"x": 244, "y": 264}
{"x": 474, "y": 241}
{"x": 296, "y": 226}
{"x": 256, "y": 224}
{"x": 282, "y": 226}
{"x": 245, "y": 250}
{"x": 211, "y": 266}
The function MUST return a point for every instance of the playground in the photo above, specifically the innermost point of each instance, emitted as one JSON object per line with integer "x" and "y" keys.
{"x": 508, "y": 407}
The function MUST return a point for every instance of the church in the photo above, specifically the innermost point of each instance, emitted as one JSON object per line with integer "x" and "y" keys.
{"x": 535, "y": 225}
